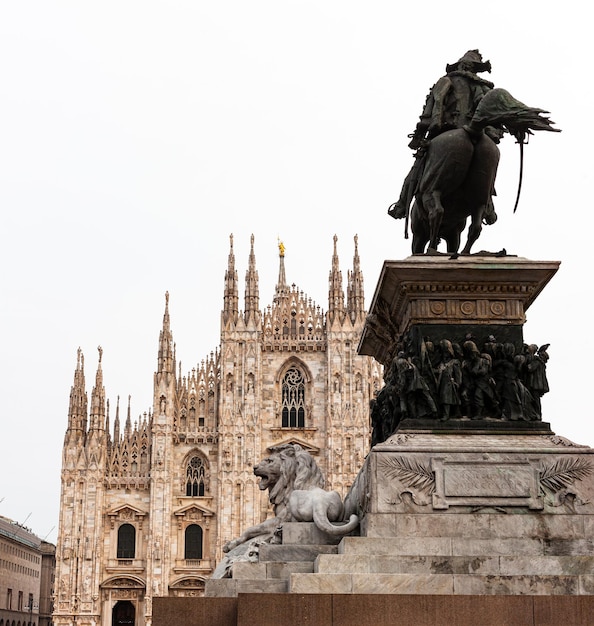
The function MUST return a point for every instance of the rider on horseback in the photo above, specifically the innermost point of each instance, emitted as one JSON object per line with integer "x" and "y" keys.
{"x": 450, "y": 104}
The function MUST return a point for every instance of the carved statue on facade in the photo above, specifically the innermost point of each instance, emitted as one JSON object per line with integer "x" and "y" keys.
{"x": 295, "y": 485}
{"x": 456, "y": 158}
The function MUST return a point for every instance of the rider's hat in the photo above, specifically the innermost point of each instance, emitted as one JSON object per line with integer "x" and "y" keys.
{"x": 473, "y": 58}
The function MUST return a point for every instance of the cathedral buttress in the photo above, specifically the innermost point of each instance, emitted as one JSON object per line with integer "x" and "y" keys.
{"x": 239, "y": 405}
{"x": 158, "y": 549}
{"x": 82, "y": 497}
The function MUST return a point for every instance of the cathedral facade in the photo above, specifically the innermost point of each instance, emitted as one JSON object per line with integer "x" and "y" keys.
{"x": 146, "y": 507}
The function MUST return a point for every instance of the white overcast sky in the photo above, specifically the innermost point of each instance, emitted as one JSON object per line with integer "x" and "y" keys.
{"x": 137, "y": 136}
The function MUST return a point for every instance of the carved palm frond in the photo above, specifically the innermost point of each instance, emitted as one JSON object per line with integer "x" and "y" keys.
{"x": 410, "y": 472}
{"x": 564, "y": 472}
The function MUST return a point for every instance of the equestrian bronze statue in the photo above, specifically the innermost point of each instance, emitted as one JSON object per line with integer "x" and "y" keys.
{"x": 453, "y": 177}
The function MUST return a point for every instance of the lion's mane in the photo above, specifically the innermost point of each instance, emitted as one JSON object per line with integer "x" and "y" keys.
{"x": 298, "y": 470}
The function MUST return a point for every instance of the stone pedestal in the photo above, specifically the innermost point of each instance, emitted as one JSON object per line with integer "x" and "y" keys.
{"x": 449, "y": 332}
{"x": 467, "y": 515}
{"x": 446, "y": 297}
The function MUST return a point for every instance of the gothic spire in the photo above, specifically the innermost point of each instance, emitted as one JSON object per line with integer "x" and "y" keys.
{"x": 107, "y": 420}
{"x": 116, "y": 423}
{"x": 252, "y": 297}
{"x": 97, "y": 416}
{"x": 166, "y": 358}
{"x": 355, "y": 295}
{"x": 281, "y": 286}
{"x": 231, "y": 298}
{"x": 335, "y": 292}
{"x": 77, "y": 410}
{"x": 128, "y": 425}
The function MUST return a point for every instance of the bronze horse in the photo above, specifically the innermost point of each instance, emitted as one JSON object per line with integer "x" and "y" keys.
{"x": 459, "y": 169}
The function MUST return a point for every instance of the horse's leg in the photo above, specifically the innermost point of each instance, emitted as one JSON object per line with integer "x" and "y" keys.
{"x": 435, "y": 211}
{"x": 479, "y": 186}
{"x": 475, "y": 228}
{"x": 453, "y": 241}
{"x": 419, "y": 228}
{"x": 418, "y": 244}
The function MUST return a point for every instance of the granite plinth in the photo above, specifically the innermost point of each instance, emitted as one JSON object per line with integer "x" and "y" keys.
{"x": 376, "y": 609}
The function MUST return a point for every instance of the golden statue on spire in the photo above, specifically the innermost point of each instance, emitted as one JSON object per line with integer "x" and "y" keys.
{"x": 281, "y": 248}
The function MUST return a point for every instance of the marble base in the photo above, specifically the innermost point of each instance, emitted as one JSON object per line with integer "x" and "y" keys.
{"x": 467, "y": 514}
{"x": 429, "y": 473}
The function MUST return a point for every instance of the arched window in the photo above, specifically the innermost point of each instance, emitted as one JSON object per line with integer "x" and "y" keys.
{"x": 193, "y": 542}
{"x": 195, "y": 477}
{"x": 293, "y": 399}
{"x": 201, "y": 412}
{"x": 126, "y": 541}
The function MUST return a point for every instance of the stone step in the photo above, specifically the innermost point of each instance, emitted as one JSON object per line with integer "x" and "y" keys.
{"x": 270, "y": 569}
{"x": 230, "y": 587}
{"x": 272, "y": 552}
{"x": 478, "y": 565}
{"x": 441, "y": 584}
{"x": 479, "y": 525}
{"x": 460, "y": 546}
{"x": 307, "y": 534}
{"x": 568, "y": 547}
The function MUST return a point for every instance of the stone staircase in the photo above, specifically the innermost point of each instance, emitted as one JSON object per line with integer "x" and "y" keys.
{"x": 302, "y": 544}
{"x": 463, "y": 563}
{"x": 479, "y": 554}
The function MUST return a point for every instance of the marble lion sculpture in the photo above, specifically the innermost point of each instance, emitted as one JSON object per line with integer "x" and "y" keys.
{"x": 294, "y": 482}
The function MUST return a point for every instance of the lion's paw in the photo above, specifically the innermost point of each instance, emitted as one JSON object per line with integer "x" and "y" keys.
{"x": 230, "y": 545}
